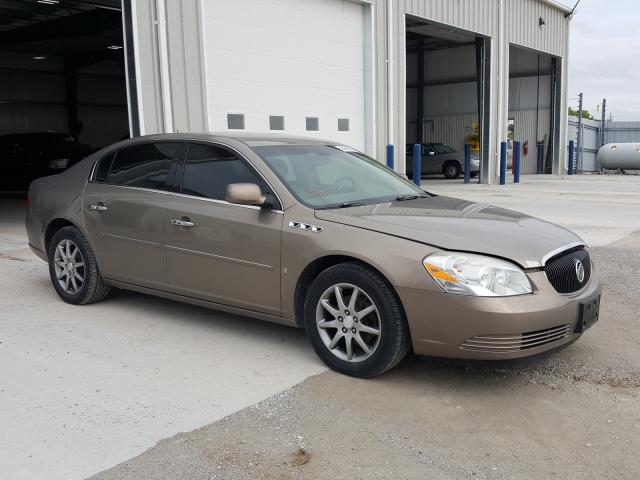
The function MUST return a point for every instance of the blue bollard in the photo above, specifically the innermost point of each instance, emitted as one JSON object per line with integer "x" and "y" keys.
{"x": 540, "y": 159}
{"x": 503, "y": 163}
{"x": 467, "y": 163}
{"x": 572, "y": 152}
{"x": 390, "y": 156}
{"x": 417, "y": 163}
{"x": 516, "y": 162}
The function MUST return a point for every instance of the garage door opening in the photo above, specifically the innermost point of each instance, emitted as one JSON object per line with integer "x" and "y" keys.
{"x": 447, "y": 98}
{"x": 534, "y": 99}
{"x": 62, "y": 85}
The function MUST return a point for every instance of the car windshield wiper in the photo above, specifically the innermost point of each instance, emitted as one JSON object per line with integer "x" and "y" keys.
{"x": 402, "y": 198}
{"x": 342, "y": 205}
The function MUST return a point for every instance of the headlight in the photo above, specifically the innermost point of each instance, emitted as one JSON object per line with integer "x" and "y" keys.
{"x": 469, "y": 274}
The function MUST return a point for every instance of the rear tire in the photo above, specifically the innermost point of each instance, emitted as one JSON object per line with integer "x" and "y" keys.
{"x": 73, "y": 268}
{"x": 451, "y": 170}
{"x": 331, "y": 323}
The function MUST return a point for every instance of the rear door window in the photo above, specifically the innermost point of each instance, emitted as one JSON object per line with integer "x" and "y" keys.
{"x": 149, "y": 165}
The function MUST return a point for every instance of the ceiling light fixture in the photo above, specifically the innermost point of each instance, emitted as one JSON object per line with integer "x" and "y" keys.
{"x": 38, "y": 57}
{"x": 48, "y": 2}
{"x": 114, "y": 47}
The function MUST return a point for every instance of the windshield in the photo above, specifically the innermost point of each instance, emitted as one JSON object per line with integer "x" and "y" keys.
{"x": 441, "y": 148}
{"x": 323, "y": 176}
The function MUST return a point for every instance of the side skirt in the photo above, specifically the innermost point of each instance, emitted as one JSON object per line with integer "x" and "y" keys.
{"x": 202, "y": 303}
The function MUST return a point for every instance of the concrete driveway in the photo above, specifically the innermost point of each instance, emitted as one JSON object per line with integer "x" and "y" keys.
{"x": 84, "y": 388}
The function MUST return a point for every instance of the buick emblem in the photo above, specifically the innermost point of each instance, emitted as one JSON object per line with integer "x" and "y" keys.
{"x": 579, "y": 271}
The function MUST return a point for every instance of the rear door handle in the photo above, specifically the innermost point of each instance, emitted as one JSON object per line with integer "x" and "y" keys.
{"x": 98, "y": 207}
{"x": 182, "y": 222}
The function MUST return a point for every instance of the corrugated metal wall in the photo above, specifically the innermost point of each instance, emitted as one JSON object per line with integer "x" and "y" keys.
{"x": 622, "y": 132}
{"x": 525, "y": 131}
{"x": 33, "y": 98}
{"x": 483, "y": 17}
{"x": 474, "y": 15}
{"x": 502, "y": 21}
{"x": 590, "y": 142}
{"x": 450, "y": 129}
{"x": 185, "y": 66}
{"x": 523, "y": 27}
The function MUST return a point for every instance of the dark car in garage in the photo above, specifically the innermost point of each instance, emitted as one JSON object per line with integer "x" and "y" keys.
{"x": 27, "y": 156}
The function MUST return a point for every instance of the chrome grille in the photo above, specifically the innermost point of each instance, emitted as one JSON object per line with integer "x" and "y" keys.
{"x": 515, "y": 343}
{"x": 561, "y": 270}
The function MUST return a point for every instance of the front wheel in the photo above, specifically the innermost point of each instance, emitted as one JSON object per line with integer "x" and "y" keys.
{"x": 73, "y": 268}
{"x": 452, "y": 170}
{"x": 355, "y": 322}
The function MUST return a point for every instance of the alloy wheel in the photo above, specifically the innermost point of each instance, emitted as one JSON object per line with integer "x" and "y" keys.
{"x": 348, "y": 322}
{"x": 69, "y": 266}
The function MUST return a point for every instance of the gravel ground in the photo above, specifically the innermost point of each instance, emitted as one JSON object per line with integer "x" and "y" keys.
{"x": 574, "y": 415}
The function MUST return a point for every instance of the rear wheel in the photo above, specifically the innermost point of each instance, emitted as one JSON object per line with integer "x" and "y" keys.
{"x": 73, "y": 268}
{"x": 451, "y": 170}
{"x": 355, "y": 322}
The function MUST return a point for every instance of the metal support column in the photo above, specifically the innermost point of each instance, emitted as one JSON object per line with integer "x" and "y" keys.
{"x": 603, "y": 121}
{"x": 580, "y": 135}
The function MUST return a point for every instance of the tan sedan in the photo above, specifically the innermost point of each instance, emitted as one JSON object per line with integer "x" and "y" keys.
{"x": 316, "y": 235}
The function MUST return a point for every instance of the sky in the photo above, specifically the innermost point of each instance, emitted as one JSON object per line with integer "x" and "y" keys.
{"x": 604, "y": 57}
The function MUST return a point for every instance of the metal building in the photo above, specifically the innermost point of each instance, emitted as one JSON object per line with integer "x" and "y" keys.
{"x": 366, "y": 72}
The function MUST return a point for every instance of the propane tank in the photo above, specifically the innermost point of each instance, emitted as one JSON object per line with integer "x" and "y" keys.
{"x": 623, "y": 156}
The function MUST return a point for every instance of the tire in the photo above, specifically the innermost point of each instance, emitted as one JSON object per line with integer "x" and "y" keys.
{"x": 386, "y": 349}
{"x": 85, "y": 287}
{"x": 451, "y": 170}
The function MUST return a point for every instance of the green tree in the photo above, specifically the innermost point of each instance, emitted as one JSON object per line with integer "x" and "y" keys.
{"x": 585, "y": 113}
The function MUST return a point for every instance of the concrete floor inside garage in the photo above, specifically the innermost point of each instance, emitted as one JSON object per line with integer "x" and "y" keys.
{"x": 138, "y": 387}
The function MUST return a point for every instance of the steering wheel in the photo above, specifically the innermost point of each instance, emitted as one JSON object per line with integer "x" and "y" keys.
{"x": 345, "y": 184}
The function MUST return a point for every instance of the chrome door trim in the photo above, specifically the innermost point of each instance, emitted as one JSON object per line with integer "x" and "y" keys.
{"x": 176, "y": 194}
{"x": 189, "y": 142}
{"x": 248, "y": 263}
{"x": 129, "y": 239}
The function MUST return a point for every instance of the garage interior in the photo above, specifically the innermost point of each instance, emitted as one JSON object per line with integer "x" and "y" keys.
{"x": 62, "y": 70}
{"x": 534, "y": 91}
{"x": 447, "y": 84}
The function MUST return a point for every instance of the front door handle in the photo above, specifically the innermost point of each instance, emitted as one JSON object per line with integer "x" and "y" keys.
{"x": 182, "y": 222}
{"x": 98, "y": 207}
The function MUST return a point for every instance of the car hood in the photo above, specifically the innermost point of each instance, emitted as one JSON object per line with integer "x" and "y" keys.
{"x": 454, "y": 224}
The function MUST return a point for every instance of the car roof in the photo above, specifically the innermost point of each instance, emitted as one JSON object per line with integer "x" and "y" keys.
{"x": 248, "y": 138}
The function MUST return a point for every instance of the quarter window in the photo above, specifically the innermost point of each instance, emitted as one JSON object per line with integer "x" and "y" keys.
{"x": 102, "y": 169}
{"x": 149, "y": 165}
{"x": 210, "y": 169}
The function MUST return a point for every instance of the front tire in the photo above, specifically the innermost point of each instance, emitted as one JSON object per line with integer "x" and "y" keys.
{"x": 73, "y": 268}
{"x": 451, "y": 170}
{"x": 355, "y": 322}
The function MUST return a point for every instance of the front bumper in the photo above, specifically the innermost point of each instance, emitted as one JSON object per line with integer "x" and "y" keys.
{"x": 460, "y": 326}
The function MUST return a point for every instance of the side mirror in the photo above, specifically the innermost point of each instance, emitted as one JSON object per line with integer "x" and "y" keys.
{"x": 245, "y": 194}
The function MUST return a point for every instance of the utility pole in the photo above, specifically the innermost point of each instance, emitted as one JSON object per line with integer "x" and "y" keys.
{"x": 603, "y": 121}
{"x": 579, "y": 136}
